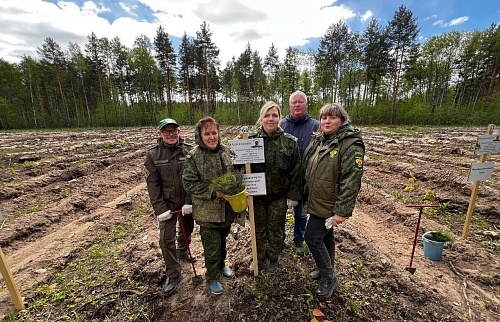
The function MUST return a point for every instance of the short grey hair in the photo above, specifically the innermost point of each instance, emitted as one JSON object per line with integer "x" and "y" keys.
{"x": 297, "y": 92}
{"x": 334, "y": 109}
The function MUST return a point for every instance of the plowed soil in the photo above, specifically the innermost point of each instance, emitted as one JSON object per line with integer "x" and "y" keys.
{"x": 61, "y": 192}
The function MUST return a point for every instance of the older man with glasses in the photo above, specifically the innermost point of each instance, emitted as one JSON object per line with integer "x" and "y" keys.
{"x": 164, "y": 167}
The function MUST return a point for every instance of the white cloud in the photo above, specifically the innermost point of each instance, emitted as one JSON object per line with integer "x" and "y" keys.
{"x": 90, "y": 8}
{"x": 438, "y": 22}
{"x": 366, "y": 16}
{"x": 457, "y": 21}
{"x": 127, "y": 8}
{"x": 25, "y": 24}
{"x": 234, "y": 23}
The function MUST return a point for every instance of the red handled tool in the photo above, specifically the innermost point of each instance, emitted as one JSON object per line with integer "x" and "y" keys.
{"x": 197, "y": 279}
{"x": 421, "y": 206}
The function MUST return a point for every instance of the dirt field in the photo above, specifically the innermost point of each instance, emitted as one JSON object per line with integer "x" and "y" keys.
{"x": 82, "y": 242}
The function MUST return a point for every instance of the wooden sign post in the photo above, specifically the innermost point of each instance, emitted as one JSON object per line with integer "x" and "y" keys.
{"x": 11, "y": 285}
{"x": 475, "y": 189}
{"x": 248, "y": 170}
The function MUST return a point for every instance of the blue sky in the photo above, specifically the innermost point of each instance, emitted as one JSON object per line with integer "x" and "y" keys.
{"x": 24, "y": 24}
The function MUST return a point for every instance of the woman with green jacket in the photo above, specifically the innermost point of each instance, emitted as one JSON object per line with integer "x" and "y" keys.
{"x": 283, "y": 174}
{"x": 208, "y": 160}
{"x": 334, "y": 167}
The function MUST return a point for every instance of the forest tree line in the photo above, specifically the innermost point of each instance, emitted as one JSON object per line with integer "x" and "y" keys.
{"x": 381, "y": 76}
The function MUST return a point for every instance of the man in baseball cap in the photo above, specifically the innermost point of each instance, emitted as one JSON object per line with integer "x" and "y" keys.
{"x": 167, "y": 121}
{"x": 164, "y": 167}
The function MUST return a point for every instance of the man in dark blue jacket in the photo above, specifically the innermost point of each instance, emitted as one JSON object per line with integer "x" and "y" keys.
{"x": 299, "y": 124}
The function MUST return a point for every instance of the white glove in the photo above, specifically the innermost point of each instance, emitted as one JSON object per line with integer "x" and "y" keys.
{"x": 165, "y": 216}
{"x": 291, "y": 203}
{"x": 187, "y": 209}
{"x": 329, "y": 222}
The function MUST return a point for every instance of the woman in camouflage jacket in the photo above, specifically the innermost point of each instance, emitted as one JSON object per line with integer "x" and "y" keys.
{"x": 208, "y": 160}
{"x": 283, "y": 174}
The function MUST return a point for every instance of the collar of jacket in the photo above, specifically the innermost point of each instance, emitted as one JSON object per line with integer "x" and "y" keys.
{"x": 303, "y": 119}
{"x": 343, "y": 131}
{"x": 261, "y": 133}
{"x": 179, "y": 143}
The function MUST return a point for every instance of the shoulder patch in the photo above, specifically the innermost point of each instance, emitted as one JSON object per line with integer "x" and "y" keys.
{"x": 289, "y": 136}
{"x": 358, "y": 159}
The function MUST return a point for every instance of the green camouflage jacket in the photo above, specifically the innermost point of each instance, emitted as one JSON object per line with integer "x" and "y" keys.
{"x": 282, "y": 164}
{"x": 201, "y": 167}
{"x": 334, "y": 168}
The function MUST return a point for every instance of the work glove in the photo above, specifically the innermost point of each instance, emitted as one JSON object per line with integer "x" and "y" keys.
{"x": 165, "y": 216}
{"x": 291, "y": 203}
{"x": 187, "y": 209}
{"x": 329, "y": 222}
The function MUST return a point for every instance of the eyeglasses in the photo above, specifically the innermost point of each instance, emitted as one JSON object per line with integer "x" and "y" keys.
{"x": 169, "y": 132}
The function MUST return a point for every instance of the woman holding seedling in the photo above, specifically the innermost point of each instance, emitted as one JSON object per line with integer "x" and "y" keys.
{"x": 210, "y": 159}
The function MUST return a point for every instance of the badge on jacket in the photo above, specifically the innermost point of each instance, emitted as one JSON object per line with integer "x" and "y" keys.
{"x": 358, "y": 158}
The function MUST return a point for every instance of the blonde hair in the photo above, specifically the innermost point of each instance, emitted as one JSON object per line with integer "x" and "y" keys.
{"x": 265, "y": 108}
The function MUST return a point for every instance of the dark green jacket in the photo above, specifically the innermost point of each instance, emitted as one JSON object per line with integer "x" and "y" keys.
{"x": 334, "y": 168}
{"x": 202, "y": 166}
{"x": 164, "y": 167}
{"x": 282, "y": 167}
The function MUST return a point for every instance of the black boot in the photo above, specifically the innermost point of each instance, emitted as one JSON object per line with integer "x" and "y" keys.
{"x": 326, "y": 287}
{"x": 273, "y": 266}
{"x": 173, "y": 282}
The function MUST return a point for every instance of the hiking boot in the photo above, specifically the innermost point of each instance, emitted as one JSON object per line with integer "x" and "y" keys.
{"x": 273, "y": 266}
{"x": 185, "y": 257}
{"x": 300, "y": 250}
{"x": 315, "y": 275}
{"x": 326, "y": 287}
{"x": 215, "y": 287}
{"x": 226, "y": 272}
{"x": 173, "y": 282}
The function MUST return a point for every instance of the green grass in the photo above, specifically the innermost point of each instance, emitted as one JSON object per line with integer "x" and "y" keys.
{"x": 381, "y": 158}
{"x": 91, "y": 280}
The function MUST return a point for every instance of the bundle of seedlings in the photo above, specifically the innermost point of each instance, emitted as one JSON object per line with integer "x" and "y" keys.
{"x": 439, "y": 236}
{"x": 229, "y": 184}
